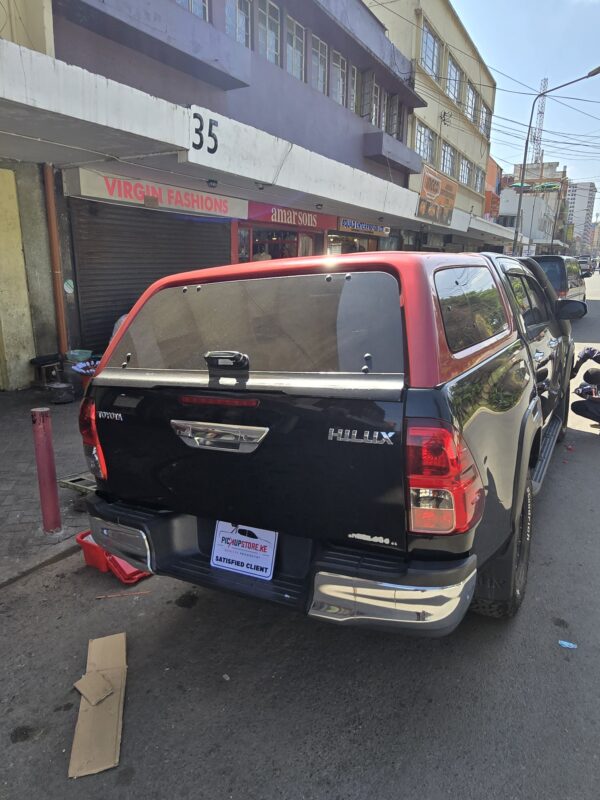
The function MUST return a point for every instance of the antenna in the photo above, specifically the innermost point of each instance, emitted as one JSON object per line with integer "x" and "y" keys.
{"x": 539, "y": 125}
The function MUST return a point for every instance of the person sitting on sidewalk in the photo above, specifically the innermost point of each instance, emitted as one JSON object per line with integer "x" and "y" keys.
{"x": 589, "y": 406}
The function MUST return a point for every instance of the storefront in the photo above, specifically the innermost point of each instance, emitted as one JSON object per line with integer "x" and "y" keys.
{"x": 353, "y": 236}
{"x": 122, "y": 243}
{"x": 278, "y": 232}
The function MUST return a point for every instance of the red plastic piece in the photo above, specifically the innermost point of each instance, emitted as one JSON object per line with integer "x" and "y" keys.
{"x": 93, "y": 554}
{"x": 96, "y": 556}
{"x": 124, "y": 571}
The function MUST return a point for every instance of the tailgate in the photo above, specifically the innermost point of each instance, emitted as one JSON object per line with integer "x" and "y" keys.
{"x": 305, "y": 439}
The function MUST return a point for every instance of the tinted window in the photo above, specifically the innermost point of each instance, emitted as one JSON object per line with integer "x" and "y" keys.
{"x": 471, "y": 306}
{"x": 303, "y": 323}
{"x": 539, "y": 307}
{"x": 573, "y": 273}
{"x": 520, "y": 294}
{"x": 555, "y": 270}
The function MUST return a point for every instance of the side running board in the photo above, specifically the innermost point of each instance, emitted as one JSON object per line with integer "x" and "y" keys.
{"x": 548, "y": 442}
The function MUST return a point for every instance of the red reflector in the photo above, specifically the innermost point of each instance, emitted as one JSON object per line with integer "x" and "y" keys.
{"x": 199, "y": 400}
{"x": 91, "y": 442}
{"x": 445, "y": 490}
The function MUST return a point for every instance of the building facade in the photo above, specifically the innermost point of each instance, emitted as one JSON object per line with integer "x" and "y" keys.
{"x": 188, "y": 134}
{"x": 493, "y": 188}
{"x": 580, "y": 200}
{"x": 544, "y": 208}
{"x": 452, "y": 133}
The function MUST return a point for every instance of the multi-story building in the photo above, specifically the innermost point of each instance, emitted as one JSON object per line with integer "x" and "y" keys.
{"x": 544, "y": 208}
{"x": 452, "y": 133}
{"x": 493, "y": 187}
{"x": 182, "y": 134}
{"x": 580, "y": 200}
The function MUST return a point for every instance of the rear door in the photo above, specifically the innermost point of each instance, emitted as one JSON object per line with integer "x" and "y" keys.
{"x": 544, "y": 336}
{"x": 305, "y": 437}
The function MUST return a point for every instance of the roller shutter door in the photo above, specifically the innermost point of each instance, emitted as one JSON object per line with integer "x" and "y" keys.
{"x": 120, "y": 251}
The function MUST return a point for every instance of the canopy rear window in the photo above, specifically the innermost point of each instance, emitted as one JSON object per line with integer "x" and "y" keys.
{"x": 301, "y": 323}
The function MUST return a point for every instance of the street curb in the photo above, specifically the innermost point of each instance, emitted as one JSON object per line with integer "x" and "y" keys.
{"x": 46, "y": 562}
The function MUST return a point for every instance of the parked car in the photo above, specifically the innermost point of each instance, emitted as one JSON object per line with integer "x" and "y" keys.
{"x": 566, "y": 275}
{"x": 359, "y": 438}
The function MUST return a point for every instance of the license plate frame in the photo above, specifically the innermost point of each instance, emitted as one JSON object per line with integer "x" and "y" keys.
{"x": 244, "y": 549}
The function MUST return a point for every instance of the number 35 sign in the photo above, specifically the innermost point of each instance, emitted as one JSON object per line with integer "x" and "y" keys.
{"x": 204, "y": 134}
{"x": 227, "y": 145}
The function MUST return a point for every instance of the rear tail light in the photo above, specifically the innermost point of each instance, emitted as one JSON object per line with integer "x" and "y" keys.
{"x": 91, "y": 443}
{"x": 445, "y": 490}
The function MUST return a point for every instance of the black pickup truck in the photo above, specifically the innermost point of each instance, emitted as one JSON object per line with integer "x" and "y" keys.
{"x": 359, "y": 438}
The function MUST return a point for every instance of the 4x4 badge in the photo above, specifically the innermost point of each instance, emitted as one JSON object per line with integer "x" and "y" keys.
{"x": 365, "y": 437}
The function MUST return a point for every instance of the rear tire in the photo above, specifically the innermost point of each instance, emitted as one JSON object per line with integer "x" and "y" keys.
{"x": 507, "y": 573}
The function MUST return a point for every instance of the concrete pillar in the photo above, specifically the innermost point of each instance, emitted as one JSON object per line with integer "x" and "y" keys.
{"x": 16, "y": 332}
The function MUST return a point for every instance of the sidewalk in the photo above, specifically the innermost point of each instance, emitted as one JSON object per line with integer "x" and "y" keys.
{"x": 23, "y": 546}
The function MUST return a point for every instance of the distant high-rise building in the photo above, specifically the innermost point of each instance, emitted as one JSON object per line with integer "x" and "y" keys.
{"x": 580, "y": 201}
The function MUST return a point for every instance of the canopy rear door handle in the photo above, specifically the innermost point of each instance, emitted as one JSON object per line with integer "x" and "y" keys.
{"x": 215, "y": 436}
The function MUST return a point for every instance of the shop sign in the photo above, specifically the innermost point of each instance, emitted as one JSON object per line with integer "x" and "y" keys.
{"x": 365, "y": 228}
{"x": 296, "y": 218}
{"x": 437, "y": 198}
{"x": 149, "y": 194}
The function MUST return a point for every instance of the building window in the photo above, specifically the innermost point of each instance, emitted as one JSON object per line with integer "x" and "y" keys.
{"x": 479, "y": 180}
{"x": 425, "y": 142}
{"x": 376, "y": 105}
{"x": 318, "y": 75}
{"x": 237, "y": 21}
{"x": 471, "y": 103}
{"x": 454, "y": 81}
{"x": 354, "y": 101}
{"x": 384, "y": 103}
{"x": 393, "y": 124}
{"x": 197, "y": 7}
{"x": 339, "y": 77}
{"x": 448, "y": 162}
{"x": 485, "y": 119}
{"x": 295, "y": 39}
{"x": 466, "y": 170}
{"x": 430, "y": 51}
{"x": 269, "y": 31}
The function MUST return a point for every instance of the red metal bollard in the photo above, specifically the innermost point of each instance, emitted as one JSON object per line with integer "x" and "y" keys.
{"x": 46, "y": 469}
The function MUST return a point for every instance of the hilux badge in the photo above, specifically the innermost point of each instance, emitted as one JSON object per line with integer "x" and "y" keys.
{"x": 360, "y": 437}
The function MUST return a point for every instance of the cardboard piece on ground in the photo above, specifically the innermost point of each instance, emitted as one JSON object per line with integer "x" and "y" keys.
{"x": 94, "y": 687}
{"x": 97, "y": 740}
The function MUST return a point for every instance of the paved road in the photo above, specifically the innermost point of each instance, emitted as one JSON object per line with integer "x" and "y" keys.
{"x": 228, "y": 698}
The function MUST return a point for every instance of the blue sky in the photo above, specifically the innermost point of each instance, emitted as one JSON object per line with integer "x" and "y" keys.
{"x": 530, "y": 40}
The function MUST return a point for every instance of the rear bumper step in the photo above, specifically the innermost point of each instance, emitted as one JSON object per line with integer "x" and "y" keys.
{"x": 335, "y": 583}
{"x": 431, "y": 610}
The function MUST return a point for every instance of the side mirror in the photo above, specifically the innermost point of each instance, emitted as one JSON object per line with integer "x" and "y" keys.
{"x": 570, "y": 309}
{"x": 586, "y": 274}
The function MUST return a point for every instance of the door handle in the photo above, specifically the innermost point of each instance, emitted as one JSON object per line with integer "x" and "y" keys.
{"x": 553, "y": 343}
{"x": 539, "y": 356}
{"x": 216, "y": 436}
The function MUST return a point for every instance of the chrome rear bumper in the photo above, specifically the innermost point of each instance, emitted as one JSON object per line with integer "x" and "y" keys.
{"x": 425, "y": 610}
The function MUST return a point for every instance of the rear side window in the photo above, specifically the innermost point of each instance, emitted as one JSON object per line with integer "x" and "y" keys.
{"x": 573, "y": 273}
{"x": 555, "y": 271}
{"x": 302, "y": 323}
{"x": 471, "y": 305}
